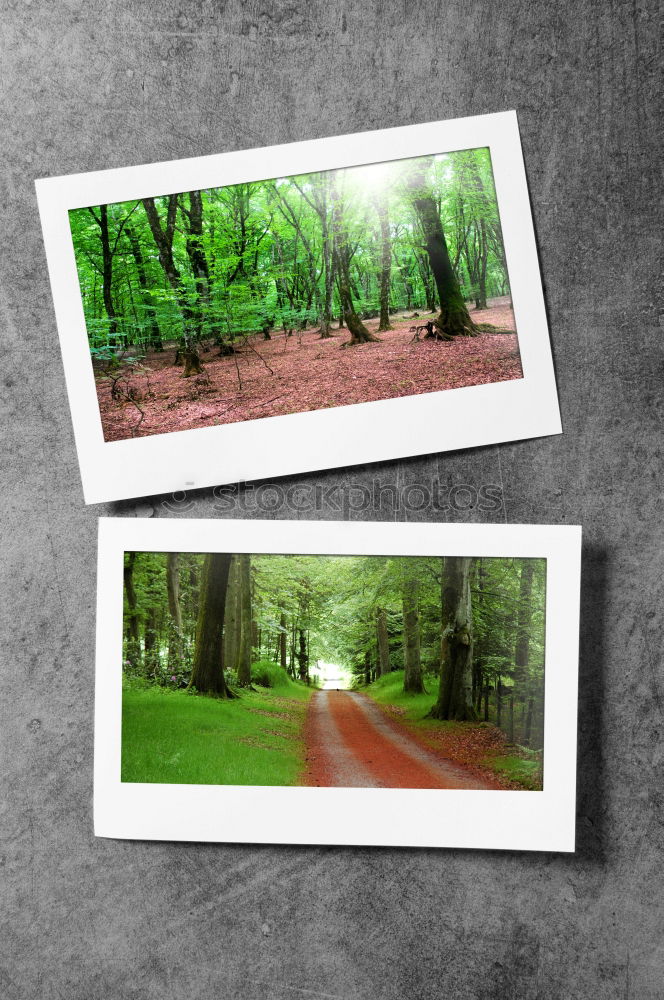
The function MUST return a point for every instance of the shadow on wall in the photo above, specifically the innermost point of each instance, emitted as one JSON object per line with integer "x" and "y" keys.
{"x": 591, "y": 783}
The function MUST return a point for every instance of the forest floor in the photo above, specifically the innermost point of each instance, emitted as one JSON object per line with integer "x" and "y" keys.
{"x": 480, "y": 747}
{"x": 302, "y": 373}
{"x": 351, "y": 742}
{"x": 296, "y": 735}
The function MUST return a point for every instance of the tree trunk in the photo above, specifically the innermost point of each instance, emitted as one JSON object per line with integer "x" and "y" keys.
{"x": 383, "y": 642}
{"x": 207, "y": 675}
{"x": 155, "y": 334}
{"x": 454, "y": 696}
{"x": 385, "y": 264}
{"x": 522, "y": 647}
{"x": 150, "y": 642}
{"x": 486, "y": 702}
{"x": 529, "y": 723}
{"x": 453, "y": 319}
{"x": 133, "y": 641}
{"x": 511, "y": 718}
{"x": 282, "y": 642}
{"x": 367, "y": 668}
{"x": 232, "y": 619}
{"x": 175, "y": 638}
{"x": 499, "y": 703}
{"x": 302, "y": 659}
{"x": 412, "y": 680}
{"x": 244, "y": 658}
{"x": 356, "y": 328}
{"x": 163, "y": 237}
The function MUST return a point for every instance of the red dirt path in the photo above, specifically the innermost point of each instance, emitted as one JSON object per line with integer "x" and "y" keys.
{"x": 350, "y": 742}
{"x": 309, "y": 374}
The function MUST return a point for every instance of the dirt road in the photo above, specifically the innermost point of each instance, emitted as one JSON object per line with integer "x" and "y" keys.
{"x": 352, "y": 744}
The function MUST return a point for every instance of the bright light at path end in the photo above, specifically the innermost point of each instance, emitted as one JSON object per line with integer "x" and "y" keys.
{"x": 332, "y": 676}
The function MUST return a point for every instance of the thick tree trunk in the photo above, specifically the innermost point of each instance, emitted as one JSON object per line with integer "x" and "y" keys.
{"x": 207, "y": 675}
{"x": 455, "y": 693}
{"x": 133, "y": 641}
{"x": 244, "y": 658}
{"x": 232, "y": 619}
{"x": 383, "y": 642}
{"x": 175, "y": 637}
{"x": 385, "y": 264}
{"x": 412, "y": 680}
{"x": 454, "y": 319}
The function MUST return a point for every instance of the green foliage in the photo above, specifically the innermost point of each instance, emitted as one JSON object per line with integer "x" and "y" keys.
{"x": 269, "y": 674}
{"x": 266, "y": 251}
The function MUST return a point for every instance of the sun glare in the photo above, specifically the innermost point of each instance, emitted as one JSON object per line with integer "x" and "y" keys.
{"x": 373, "y": 176}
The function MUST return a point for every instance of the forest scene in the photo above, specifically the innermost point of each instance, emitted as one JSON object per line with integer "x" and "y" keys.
{"x": 294, "y": 294}
{"x": 347, "y": 671}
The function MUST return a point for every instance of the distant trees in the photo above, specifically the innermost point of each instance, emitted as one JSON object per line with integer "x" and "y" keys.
{"x": 212, "y": 266}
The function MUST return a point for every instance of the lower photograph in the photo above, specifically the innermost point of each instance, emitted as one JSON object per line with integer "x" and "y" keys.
{"x": 273, "y": 672}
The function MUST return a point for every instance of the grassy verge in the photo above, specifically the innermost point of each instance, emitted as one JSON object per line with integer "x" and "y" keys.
{"x": 172, "y": 737}
{"x": 481, "y": 746}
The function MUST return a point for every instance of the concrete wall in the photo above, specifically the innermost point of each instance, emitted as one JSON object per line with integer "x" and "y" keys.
{"x": 94, "y": 84}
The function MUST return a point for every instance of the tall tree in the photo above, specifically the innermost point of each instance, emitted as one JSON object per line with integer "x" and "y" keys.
{"x": 207, "y": 674}
{"x": 175, "y": 639}
{"x": 342, "y": 254}
{"x": 163, "y": 235}
{"x": 455, "y": 691}
{"x": 412, "y": 681}
{"x": 246, "y": 618}
{"x": 148, "y": 303}
{"x": 385, "y": 262}
{"x": 522, "y": 648}
{"x": 382, "y": 641}
{"x": 232, "y": 618}
{"x": 453, "y": 318}
{"x": 131, "y": 619}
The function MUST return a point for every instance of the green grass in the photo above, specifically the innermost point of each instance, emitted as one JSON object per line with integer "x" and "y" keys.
{"x": 172, "y": 737}
{"x": 388, "y": 690}
{"x": 526, "y": 772}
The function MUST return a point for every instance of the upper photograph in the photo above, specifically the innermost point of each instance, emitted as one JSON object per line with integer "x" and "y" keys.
{"x": 236, "y": 303}
{"x": 278, "y": 311}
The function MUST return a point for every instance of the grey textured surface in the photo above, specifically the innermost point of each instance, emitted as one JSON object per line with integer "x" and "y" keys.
{"x": 89, "y": 84}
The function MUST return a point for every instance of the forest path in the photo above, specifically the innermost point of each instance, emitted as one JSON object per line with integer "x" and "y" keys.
{"x": 352, "y": 744}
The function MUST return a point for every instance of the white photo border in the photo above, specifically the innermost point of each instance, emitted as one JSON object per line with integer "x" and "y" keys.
{"x": 318, "y": 439}
{"x": 515, "y": 820}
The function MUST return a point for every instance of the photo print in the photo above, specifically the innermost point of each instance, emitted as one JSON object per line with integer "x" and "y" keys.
{"x": 331, "y": 662}
{"x": 300, "y": 307}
